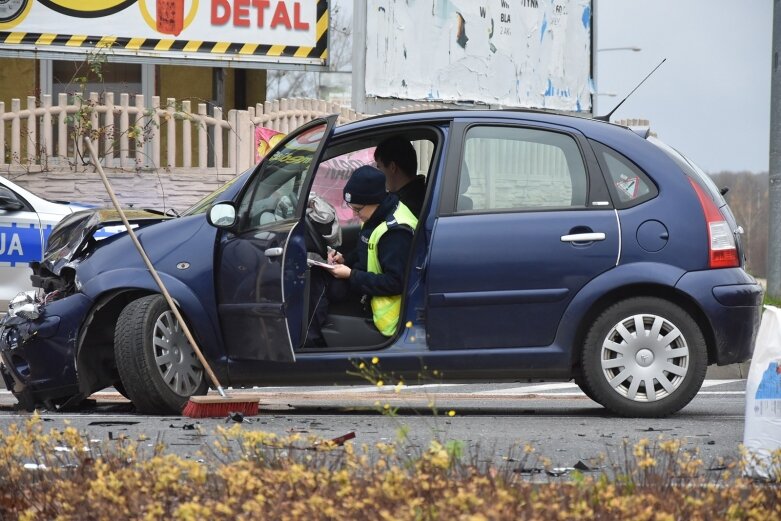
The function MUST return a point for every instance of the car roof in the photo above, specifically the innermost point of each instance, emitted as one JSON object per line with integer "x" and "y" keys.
{"x": 589, "y": 126}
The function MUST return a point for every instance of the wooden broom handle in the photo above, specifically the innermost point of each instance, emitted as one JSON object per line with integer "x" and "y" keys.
{"x": 152, "y": 269}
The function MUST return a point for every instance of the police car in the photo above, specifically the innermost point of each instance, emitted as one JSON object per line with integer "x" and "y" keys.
{"x": 26, "y": 220}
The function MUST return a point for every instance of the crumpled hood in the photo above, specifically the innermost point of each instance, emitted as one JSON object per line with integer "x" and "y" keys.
{"x": 74, "y": 232}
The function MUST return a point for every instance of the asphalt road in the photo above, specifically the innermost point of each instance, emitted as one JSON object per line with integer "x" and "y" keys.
{"x": 495, "y": 422}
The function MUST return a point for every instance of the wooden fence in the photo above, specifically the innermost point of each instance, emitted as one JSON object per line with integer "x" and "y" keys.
{"x": 131, "y": 136}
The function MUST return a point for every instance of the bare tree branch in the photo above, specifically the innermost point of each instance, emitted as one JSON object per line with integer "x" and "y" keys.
{"x": 292, "y": 84}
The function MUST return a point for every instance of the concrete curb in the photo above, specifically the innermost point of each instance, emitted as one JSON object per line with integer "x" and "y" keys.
{"x": 728, "y": 372}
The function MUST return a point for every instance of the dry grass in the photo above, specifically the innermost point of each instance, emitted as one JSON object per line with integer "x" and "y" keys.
{"x": 255, "y": 475}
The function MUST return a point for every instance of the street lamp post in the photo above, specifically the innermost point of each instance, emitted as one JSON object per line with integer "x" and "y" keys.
{"x": 633, "y": 49}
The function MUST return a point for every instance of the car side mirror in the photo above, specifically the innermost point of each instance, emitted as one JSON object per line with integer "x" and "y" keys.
{"x": 9, "y": 201}
{"x": 222, "y": 215}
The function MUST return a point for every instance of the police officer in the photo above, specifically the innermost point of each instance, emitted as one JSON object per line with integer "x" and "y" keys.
{"x": 397, "y": 159}
{"x": 377, "y": 266}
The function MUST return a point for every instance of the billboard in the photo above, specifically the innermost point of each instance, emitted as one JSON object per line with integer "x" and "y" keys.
{"x": 513, "y": 53}
{"x": 247, "y": 32}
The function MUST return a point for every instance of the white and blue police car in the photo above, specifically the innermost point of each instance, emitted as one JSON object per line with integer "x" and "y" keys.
{"x": 26, "y": 221}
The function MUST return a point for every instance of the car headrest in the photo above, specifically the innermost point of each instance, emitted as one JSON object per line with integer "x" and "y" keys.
{"x": 465, "y": 182}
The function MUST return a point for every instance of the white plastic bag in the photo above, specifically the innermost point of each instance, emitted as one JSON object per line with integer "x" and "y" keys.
{"x": 762, "y": 435}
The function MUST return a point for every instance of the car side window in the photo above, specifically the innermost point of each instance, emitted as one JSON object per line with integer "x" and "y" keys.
{"x": 11, "y": 202}
{"x": 510, "y": 168}
{"x": 627, "y": 183}
{"x": 332, "y": 174}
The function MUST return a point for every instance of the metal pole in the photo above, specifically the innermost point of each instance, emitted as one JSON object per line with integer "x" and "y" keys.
{"x": 148, "y": 90}
{"x": 359, "y": 56}
{"x": 774, "y": 192}
{"x": 594, "y": 56}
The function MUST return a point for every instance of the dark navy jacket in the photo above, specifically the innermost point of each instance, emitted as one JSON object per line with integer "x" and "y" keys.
{"x": 392, "y": 252}
{"x": 413, "y": 193}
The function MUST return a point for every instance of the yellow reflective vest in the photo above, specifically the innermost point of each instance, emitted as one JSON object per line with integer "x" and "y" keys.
{"x": 386, "y": 309}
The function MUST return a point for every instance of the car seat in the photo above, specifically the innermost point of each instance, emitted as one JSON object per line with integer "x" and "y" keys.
{"x": 322, "y": 226}
{"x": 351, "y": 331}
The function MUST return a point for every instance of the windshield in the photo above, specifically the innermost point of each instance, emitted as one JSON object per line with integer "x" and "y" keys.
{"x": 204, "y": 204}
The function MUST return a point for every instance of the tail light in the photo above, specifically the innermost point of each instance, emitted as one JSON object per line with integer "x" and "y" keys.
{"x": 722, "y": 251}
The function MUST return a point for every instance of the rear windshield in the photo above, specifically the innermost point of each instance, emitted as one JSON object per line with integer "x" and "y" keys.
{"x": 692, "y": 170}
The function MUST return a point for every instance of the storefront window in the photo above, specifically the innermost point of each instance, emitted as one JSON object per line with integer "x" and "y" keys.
{"x": 68, "y": 76}
{"x": 78, "y": 79}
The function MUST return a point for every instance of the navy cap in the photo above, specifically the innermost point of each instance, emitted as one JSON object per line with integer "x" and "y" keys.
{"x": 365, "y": 186}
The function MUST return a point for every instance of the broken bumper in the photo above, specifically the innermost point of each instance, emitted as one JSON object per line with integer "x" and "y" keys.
{"x": 39, "y": 356}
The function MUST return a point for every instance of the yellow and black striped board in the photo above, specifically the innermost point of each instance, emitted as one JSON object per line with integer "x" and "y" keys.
{"x": 163, "y": 48}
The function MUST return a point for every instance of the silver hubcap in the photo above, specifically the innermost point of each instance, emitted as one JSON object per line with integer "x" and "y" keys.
{"x": 174, "y": 356}
{"x": 645, "y": 358}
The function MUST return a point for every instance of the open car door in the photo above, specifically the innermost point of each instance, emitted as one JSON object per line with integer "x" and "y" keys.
{"x": 261, "y": 271}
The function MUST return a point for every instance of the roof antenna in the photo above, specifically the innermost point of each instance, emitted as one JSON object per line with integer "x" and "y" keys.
{"x": 606, "y": 117}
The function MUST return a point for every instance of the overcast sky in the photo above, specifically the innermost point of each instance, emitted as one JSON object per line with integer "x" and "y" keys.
{"x": 711, "y": 98}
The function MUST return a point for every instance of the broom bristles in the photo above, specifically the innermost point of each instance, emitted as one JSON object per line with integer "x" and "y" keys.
{"x": 219, "y": 407}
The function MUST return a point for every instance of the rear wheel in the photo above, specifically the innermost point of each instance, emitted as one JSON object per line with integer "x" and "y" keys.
{"x": 644, "y": 357}
{"x": 157, "y": 365}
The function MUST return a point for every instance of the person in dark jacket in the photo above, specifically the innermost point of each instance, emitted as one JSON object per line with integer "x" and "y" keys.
{"x": 377, "y": 265}
{"x": 396, "y": 158}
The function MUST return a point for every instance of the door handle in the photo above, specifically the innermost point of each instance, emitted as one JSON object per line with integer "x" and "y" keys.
{"x": 583, "y": 237}
{"x": 273, "y": 252}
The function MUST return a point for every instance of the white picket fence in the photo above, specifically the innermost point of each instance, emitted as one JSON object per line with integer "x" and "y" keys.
{"x": 171, "y": 135}
{"x": 131, "y": 136}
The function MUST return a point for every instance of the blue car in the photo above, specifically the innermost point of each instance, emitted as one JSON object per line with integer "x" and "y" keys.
{"x": 549, "y": 247}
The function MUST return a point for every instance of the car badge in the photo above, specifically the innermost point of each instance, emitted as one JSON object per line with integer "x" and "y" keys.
{"x": 183, "y": 265}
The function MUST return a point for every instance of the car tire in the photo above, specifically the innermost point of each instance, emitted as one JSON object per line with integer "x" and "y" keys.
{"x": 120, "y": 389}
{"x": 580, "y": 381}
{"x": 156, "y": 364}
{"x": 648, "y": 376}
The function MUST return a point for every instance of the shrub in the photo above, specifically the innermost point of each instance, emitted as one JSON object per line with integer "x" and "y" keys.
{"x": 256, "y": 475}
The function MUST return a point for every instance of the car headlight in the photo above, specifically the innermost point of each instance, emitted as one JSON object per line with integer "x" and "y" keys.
{"x": 25, "y": 305}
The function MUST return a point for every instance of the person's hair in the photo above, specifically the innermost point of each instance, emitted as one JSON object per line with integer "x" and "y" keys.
{"x": 400, "y": 151}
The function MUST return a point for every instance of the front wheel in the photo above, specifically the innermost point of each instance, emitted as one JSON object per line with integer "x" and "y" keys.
{"x": 157, "y": 365}
{"x": 644, "y": 357}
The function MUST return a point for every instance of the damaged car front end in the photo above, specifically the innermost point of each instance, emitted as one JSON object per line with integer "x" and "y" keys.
{"x": 39, "y": 336}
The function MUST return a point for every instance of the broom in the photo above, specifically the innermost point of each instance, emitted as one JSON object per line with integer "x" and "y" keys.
{"x": 197, "y": 406}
